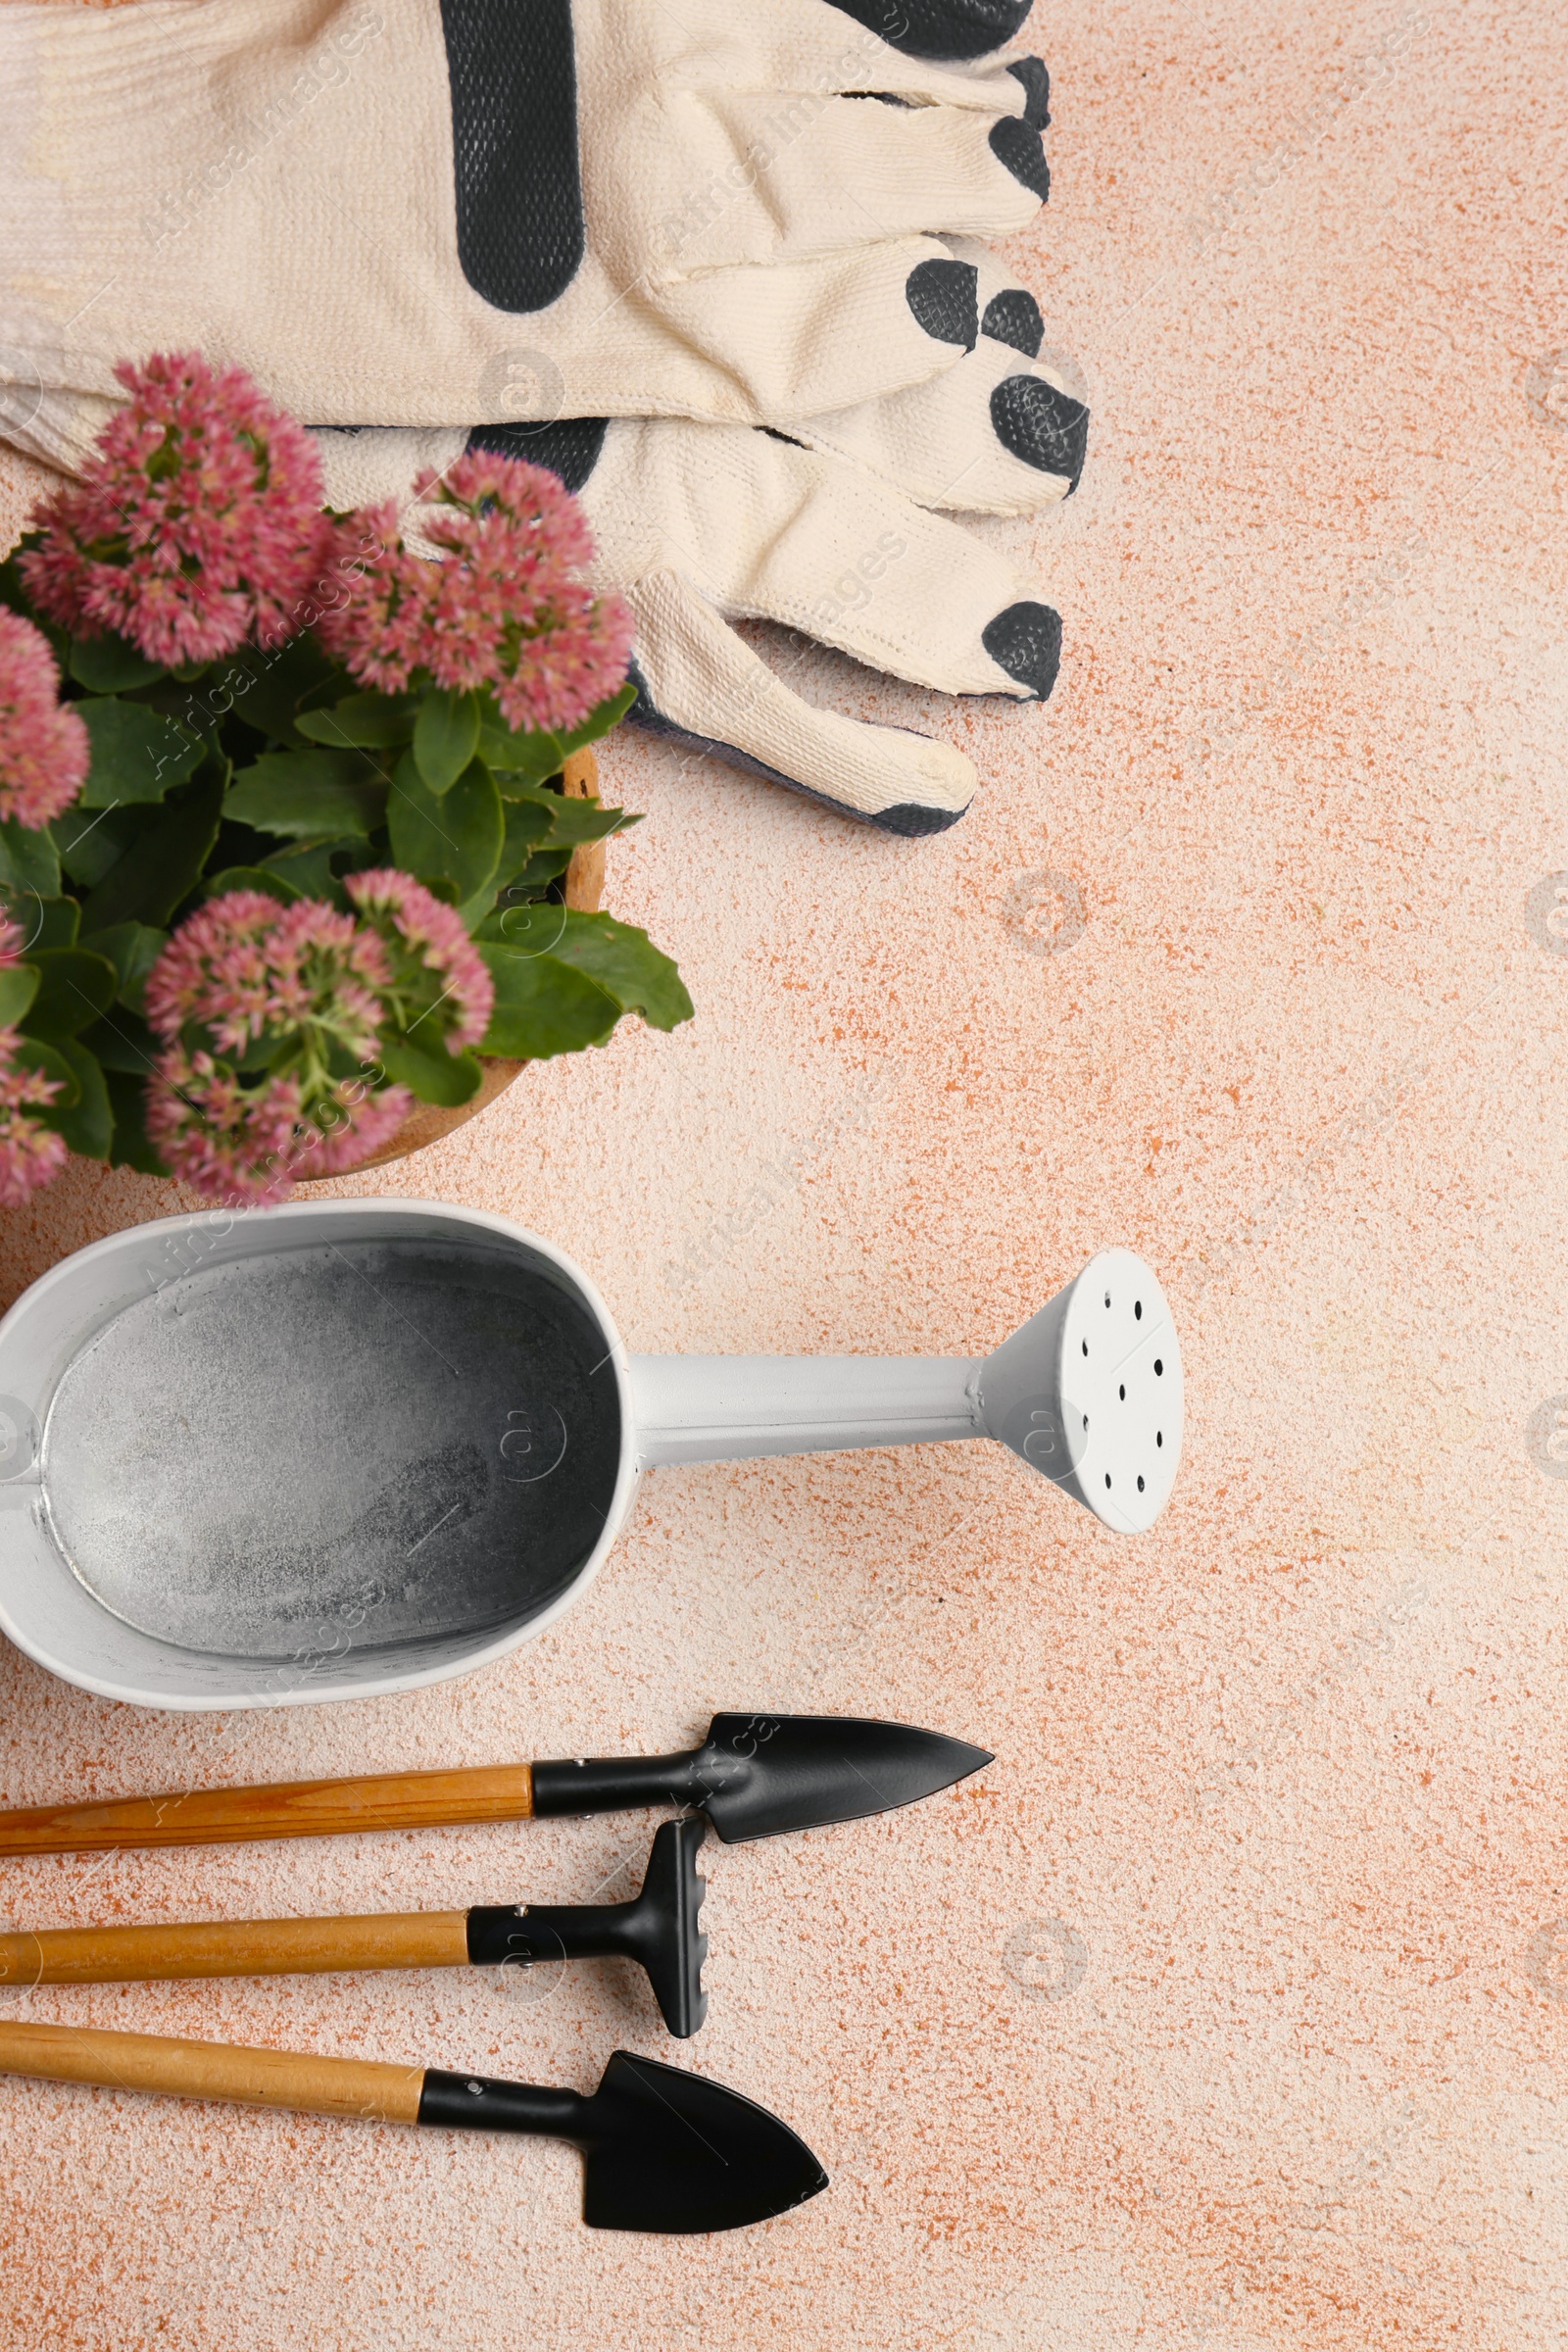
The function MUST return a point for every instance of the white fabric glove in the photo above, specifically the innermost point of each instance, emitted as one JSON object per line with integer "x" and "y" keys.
{"x": 424, "y": 208}
{"x": 698, "y": 524}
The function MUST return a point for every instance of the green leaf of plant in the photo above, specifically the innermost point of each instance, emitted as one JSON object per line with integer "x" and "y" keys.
{"x": 528, "y": 926}
{"x": 311, "y": 793}
{"x": 133, "y": 948}
{"x": 541, "y": 870}
{"x": 121, "y": 1041}
{"x": 446, "y": 736}
{"x": 626, "y": 964}
{"x": 28, "y": 861}
{"x": 109, "y": 665}
{"x": 453, "y": 837}
{"x": 434, "y": 1074}
{"x": 76, "y": 987}
{"x": 379, "y": 720}
{"x": 268, "y": 690}
{"x": 137, "y": 754}
{"x": 573, "y": 822}
{"x": 32, "y": 1054}
{"x": 249, "y": 877}
{"x": 543, "y": 1008}
{"x": 19, "y": 985}
{"x": 545, "y": 752}
{"x": 164, "y": 862}
{"x": 528, "y": 827}
{"x": 91, "y": 841}
{"x": 88, "y": 1123}
{"x": 130, "y": 1147}
{"x": 43, "y": 923}
{"x": 316, "y": 867}
{"x": 13, "y": 593}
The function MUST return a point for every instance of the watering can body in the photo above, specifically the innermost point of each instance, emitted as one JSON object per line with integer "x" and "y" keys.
{"x": 1050, "y": 1392}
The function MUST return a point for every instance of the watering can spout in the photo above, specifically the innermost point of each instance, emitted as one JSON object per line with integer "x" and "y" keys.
{"x": 722, "y": 1409}
{"x": 1088, "y": 1393}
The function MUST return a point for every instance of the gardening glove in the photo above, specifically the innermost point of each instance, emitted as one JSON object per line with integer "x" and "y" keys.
{"x": 695, "y": 522}
{"x": 418, "y": 213}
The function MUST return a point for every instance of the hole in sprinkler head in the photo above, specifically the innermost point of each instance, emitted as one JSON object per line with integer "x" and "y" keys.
{"x": 1108, "y": 1298}
{"x": 1086, "y": 1420}
{"x": 1138, "y": 1310}
{"x": 1086, "y": 1346}
{"x": 1122, "y": 1392}
{"x": 1159, "y": 1368}
{"x": 1140, "y": 1486}
{"x": 1159, "y": 1437}
{"x": 1107, "y": 1478}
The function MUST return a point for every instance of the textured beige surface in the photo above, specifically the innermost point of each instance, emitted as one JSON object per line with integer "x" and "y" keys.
{"x": 1229, "y": 2009}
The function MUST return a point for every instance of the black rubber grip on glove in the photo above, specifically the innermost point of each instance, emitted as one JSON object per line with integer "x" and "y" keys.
{"x": 1018, "y": 146}
{"x": 944, "y": 297}
{"x": 1031, "y": 72}
{"x": 1042, "y": 427}
{"x": 1013, "y": 316}
{"x": 1025, "y": 640}
{"x": 939, "y": 29}
{"x": 518, "y": 187}
{"x": 571, "y": 446}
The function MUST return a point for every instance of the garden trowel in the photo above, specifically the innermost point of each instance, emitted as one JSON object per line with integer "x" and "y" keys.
{"x": 667, "y": 2152}
{"x": 754, "y": 1776}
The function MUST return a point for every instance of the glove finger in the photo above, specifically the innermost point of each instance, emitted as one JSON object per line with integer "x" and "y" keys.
{"x": 1003, "y": 432}
{"x": 996, "y": 434}
{"x": 770, "y": 529}
{"x": 699, "y": 684}
{"x": 759, "y": 176}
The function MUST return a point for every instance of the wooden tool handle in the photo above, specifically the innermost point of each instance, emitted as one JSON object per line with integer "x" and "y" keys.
{"x": 393, "y": 1800}
{"x": 243, "y": 1947}
{"x": 212, "y": 2069}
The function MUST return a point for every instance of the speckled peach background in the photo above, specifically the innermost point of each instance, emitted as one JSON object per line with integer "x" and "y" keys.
{"x": 1229, "y": 2009}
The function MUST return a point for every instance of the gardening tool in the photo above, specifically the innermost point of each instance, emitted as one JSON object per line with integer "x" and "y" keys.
{"x": 665, "y": 2151}
{"x": 351, "y": 1447}
{"x": 755, "y": 1776}
{"x": 659, "y": 1930}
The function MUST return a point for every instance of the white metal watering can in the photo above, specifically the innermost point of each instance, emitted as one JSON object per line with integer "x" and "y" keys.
{"x": 346, "y": 1448}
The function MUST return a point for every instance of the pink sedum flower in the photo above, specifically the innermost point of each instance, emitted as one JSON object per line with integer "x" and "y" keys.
{"x": 319, "y": 984}
{"x": 197, "y": 524}
{"x": 505, "y": 610}
{"x": 244, "y": 964}
{"x": 248, "y": 1145}
{"x": 434, "y": 957}
{"x": 31, "y": 1154}
{"x": 44, "y": 746}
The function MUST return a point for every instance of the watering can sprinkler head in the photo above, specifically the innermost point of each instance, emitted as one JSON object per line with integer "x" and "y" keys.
{"x": 1089, "y": 1392}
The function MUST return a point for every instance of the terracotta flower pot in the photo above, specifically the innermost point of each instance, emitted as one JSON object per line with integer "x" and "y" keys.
{"x": 585, "y": 886}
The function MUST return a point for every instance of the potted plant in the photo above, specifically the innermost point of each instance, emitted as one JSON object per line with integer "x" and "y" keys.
{"x": 299, "y": 837}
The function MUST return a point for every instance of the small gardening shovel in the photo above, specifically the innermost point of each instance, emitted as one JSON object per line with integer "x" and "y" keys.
{"x": 665, "y": 2151}
{"x": 755, "y": 1776}
{"x": 659, "y": 1930}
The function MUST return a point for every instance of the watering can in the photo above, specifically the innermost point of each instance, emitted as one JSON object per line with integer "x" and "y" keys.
{"x": 344, "y": 1448}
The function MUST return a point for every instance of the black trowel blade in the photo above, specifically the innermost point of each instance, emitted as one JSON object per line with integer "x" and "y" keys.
{"x": 765, "y": 1774}
{"x": 673, "y": 2152}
